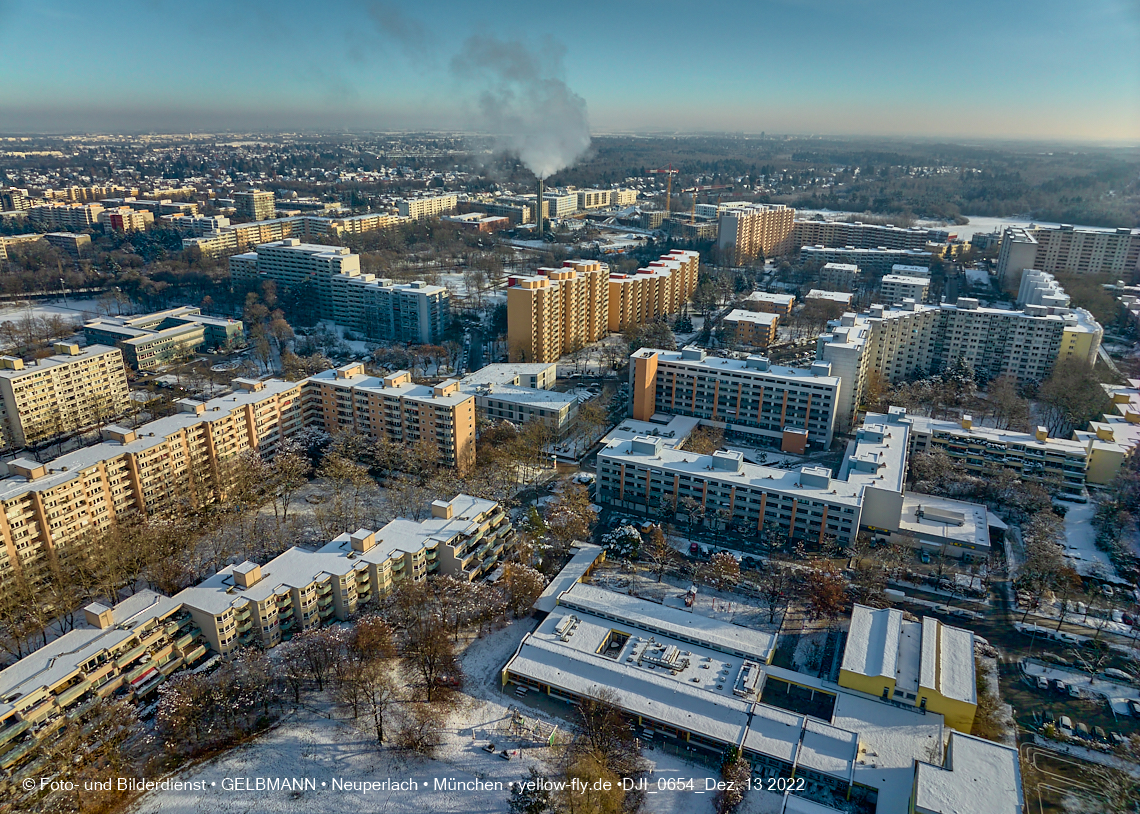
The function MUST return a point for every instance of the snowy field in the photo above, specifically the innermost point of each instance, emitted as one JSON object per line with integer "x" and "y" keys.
{"x": 338, "y": 759}
{"x": 78, "y": 311}
{"x": 1080, "y": 542}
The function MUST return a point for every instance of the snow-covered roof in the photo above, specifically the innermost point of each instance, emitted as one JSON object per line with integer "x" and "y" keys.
{"x": 648, "y": 616}
{"x": 923, "y": 425}
{"x": 948, "y": 661}
{"x": 757, "y": 317}
{"x": 979, "y": 777}
{"x": 765, "y": 296}
{"x": 877, "y": 457}
{"x": 585, "y": 556}
{"x": 673, "y": 430}
{"x": 944, "y": 520}
{"x": 873, "y": 642}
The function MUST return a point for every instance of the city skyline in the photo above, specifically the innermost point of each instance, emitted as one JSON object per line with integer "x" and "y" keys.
{"x": 801, "y": 66}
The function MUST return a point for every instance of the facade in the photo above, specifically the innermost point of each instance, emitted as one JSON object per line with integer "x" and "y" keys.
{"x": 13, "y": 199}
{"x": 785, "y": 406}
{"x": 659, "y": 289}
{"x": 429, "y": 207}
{"x": 168, "y": 464}
{"x": 131, "y": 649}
{"x": 838, "y": 297}
{"x": 65, "y": 217}
{"x": 557, "y": 310}
{"x": 251, "y": 604}
{"x": 648, "y": 476}
{"x": 521, "y": 393}
{"x": 75, "y": 389}
{"x": 74, "y": 244}
{"x": 125, "y": 219}
{"x": 927, "y": 663}
{"x": 1116, "y": 436}
{"x": 559, "y": 206}
{"x": 1056, "y": 463}
{"x": 478, "y": 222}
{"x": 254, "y": 205}
{"x": 346, "y": 399}
{"x": 381, "y": 309}
{"x": 151, "y": 340}
{"x": 1041, "y": 288}
{"x": 229, "y": 239}
{"x": 873, "y": 262}
{"x": 1067, "y": 250}
{"x": 750, "y": 327}
{"x": 913, "y": 340}
{"x": 767, "y": 303}
{"x": 197, "y": 225}
{"x": 838, "y": 276}
{"x": 864, "y": 235}
{"x": 896, "y": 288}
{"x": 746, "y": 232}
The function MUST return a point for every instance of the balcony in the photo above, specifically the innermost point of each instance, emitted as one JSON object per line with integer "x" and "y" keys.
{"x": 325, "y": 613}
{"x": 69, "y": 696}
{"x": 130, "y": 655}
{"x": 244, "y": 627}
{"x": 324, "y": 589}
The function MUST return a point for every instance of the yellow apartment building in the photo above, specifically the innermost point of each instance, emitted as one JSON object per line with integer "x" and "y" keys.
{"x": 74, "y": 389}
{"x": 393, "y": 407}
{"x": 557, "y": 310}
{"x": 750, "y": 328}
{"x": 748, "y": 231}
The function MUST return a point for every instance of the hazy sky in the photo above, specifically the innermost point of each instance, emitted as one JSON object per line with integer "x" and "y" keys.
{"x": 1050, "y": 68}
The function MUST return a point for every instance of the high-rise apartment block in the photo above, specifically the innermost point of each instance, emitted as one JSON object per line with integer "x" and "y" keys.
{"x": 785, "y": 406}
{"x": 254, "y": 205}
{"x": 331, "y": 279}
{"x": 346, "y": 399}
{"x": 1067, "y": 250}
{"x": 71, "y": 242}
{"x": 559, "y": 206}
{"x": 754, "y": 328}
{"x": 838, "y": 276}
{"x": 429, "y": 207}
{"x": 914, "y": 340}
{"x": 70, "y": 391}
{"x": 171, "y": 463}
{"x": 68, "y": 217}
{"x": 746, "y": 232}
{"x": 149, "y": 341}
{"x": 15, "y": 200}
{"x": 125, "y": 219}
{"x": 874, "y": 262}
{"x": 557, "y": 310}
{"x": 656, "y": 290}
{"x": 864, "y": 235}
{"x": 898, "y": 287}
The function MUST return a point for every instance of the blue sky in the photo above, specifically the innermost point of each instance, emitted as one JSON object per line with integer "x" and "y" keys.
{"x": 1048, "y": 69}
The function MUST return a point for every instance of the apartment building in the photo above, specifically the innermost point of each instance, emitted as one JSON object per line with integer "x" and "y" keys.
{"x": 346, "y": 399}
{"x": 657, "y": 290}
{"x": 521, "y": 393}
{"x": 767, "y": 303}
{"x": 197, "y": 225}
{"x": 872, "y": 262}
{"x": 593, "y": 199}
{"x": 1041, "y": 288}
{"x": 129, "y": 649}
{"x": 157, "y": 208}
{"x": 757, "y": 329}
{"x": 1116, "y": 436}
{"x": 645, "y": 475}
{"x": 428, "y": 207}
{"x": 838, "y": 276}
{"x": 898, "y": 287}
{"x": 1067, "y": 250}
{"x": 299, "y": 268}
{"x": 913, "y": 340}
{"x": 251, "y": 604}
{"x": 557, "y": 310}
{"x": 864, "y": 235}
{"x": 838, "y": 297}
{"x": 125, "y": 219}
{"x": 70, "y": 391}
{"x": 356, "y": 224}
{"x": 1056, "y": 463}
{"x": 65, "y": 217}
{"x": 788, "y": 406}
{"x": 74, "y": 244}
{"x": 15, "y": 200}
{"x": 171, "y": 463}
{"x": 149, "y": 341}
{"x": 254, "y": 204}
{"x": 746, "y": 232}
{"x": 385, "y": 310}
{"x": 560, "y": 205}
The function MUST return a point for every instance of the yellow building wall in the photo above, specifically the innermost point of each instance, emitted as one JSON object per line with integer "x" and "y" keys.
{"x": 872, "y": 685}
{"x": 1103, "y": 465}
{"x": 959, "y": 715}
{"x": 644, "y": 387}
{"x": 1077, "y": 345}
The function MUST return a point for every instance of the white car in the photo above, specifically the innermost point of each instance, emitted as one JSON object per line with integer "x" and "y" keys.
{"x": 1065, "y": 726}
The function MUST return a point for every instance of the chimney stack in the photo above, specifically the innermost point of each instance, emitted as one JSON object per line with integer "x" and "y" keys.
{"x": 539, "y": 228}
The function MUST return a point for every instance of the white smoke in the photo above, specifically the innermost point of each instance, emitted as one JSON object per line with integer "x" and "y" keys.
{"x": 523, "y": 103}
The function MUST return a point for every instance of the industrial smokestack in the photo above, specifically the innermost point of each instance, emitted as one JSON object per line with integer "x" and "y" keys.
{"x": 539, "y": 228}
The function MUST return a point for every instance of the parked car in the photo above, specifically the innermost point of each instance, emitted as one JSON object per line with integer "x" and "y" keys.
{"x": 1065, "y": 726}
{"x": 694, "y": 549}
{"x": 1074, "y": 691}
{"x": 1100, "y": 734}
{"x": 1042, "y": 683}
{"x": 924, "y": 557}
{"x": 1134, "y": 707}
{"x": 1083, "y": 730}
{"x": 1120, "y": 675}
{"x": 1058, "y": 685}
{"x": 1118, "y": 739}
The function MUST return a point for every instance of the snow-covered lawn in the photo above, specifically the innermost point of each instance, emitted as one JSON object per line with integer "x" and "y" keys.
{"x": 1080, "y": 542}
{"x": 338, "y": 759}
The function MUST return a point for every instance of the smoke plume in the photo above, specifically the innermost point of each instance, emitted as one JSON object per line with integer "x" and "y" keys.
{"x": 523, "y": 104}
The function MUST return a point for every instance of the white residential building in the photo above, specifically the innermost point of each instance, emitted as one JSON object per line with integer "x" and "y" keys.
{"x": 428, "y": 207}
{"x": 896, "y": 288}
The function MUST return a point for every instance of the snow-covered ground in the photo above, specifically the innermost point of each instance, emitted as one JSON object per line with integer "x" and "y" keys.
{"x": 334, "y": 756}
{"x": 1080, "y": 542}
{"x": 978, "y": 276}
{"x": 76, "y": 310}
{"x": 1117, "y": 693}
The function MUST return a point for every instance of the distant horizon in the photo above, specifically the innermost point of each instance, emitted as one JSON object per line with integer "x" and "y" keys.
{"x": 986, "y": 69}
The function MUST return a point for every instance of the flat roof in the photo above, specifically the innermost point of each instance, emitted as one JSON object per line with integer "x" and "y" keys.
{"x": 873, "y": 642}
{"x": 519, "y": 394}
{"x": 979, "y": 777}
{"x": 673, "y": 430}
{"x": 930, "y": 426}
{"x": 943, "y": 519}
{"x": 905, "y": 280}
{"x": 408, "y": 390}
{"x": 57, "y": 360}
{"x": 834, "y": 296}
{"x": 877, "y": 456}
{"x": 730, "y": 364}
{"x": 585, "y": 555}
{"x": 759, "y": 317}
{"x": 765, "y": 296}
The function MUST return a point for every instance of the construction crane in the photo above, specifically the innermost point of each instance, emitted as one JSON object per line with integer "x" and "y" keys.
{"x": 669, "y": 172}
